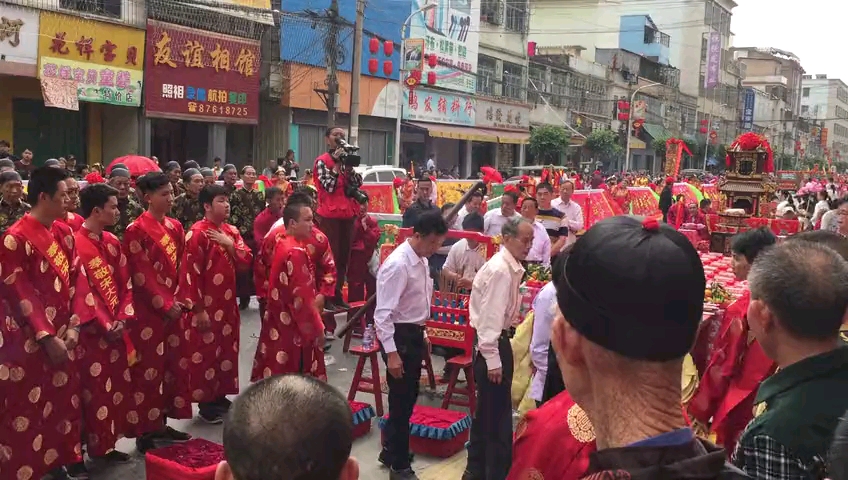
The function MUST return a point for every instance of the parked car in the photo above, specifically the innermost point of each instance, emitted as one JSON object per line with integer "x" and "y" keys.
{"x": 379, "y": 173}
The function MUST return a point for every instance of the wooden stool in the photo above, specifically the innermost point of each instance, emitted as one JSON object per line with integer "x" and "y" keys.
{"x": 464, "y": 363}
{"x": 372, "y": 384}
{"x": 354, "y": 307}
{"x": 427, "y": 366}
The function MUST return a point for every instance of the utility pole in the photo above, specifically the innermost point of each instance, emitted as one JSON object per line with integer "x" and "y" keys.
{"x": 356, "y": 72}
{"x": 331, "y": 48}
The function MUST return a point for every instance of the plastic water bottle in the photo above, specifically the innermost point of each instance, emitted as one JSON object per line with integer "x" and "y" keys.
{"x": 368, "y": 336}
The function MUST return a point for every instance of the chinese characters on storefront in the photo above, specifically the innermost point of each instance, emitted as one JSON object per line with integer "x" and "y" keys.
{"x": 105, "y": 61}
{"x": 18, "y": 45}
{"x": 201, "y": 76}
{"x": 437, "y": 107}
{"x": 502, "y": 116}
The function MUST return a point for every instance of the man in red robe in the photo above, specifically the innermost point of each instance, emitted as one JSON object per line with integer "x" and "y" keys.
{"x": 724, "y": 400}
{"x": 72, "y": 218}
{"x": 366, "y": 234}
{"x": 155, "y": 245}
{"x": 261, "y": 226}
{"x": 39, "y": 371}
{"x": 105, "y": 351}
{"x": 292, "y": 336}
{"x": 214, "y": 255}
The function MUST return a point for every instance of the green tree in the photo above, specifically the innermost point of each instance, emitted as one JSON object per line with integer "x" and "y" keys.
{"x": 604, "y": 145}
{"x": 547, "y": 143}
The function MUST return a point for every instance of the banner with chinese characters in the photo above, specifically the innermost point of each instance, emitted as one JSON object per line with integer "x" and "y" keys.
{"x": 451, "y": 31}
{"x": 201, "y": 76}
{"x": 422, "y": 105}
{"x": 502, "y": 116}
{"x": 106, "y": 61}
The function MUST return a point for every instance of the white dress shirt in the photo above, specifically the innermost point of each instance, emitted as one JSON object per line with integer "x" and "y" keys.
{"x": 404, "y": 293}
{"x": 573, "y": 218}
{"x": 464, "y": 260}
{"x": 457, "y": 224}
{"x": 544, "y": 311}
{"x": 494, "y": 303}
{"x": 494, "y": 221}
{"x": 540, "y": 251}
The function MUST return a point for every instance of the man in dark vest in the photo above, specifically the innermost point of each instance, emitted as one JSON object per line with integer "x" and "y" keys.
{"x": 799, "y": 295}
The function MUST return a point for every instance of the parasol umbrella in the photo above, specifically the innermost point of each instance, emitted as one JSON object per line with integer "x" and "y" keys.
{"x": 136, "y": 164}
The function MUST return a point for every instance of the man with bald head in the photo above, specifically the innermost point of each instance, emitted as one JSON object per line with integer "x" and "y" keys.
{"x": 266, "y": 437}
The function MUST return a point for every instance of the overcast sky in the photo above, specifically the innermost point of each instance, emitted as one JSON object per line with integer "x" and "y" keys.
{"x": 809, "y": 29}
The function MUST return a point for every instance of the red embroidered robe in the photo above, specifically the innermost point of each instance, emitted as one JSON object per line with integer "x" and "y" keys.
{"x": 292, "y": 324}
{"x": 677, "y": 215}
{"x": 107, "y": 387}
{"x": 74, "y": 221}
{"x": 208, "y": 281}
{"x": 40, "y": 405}
{"x": 729, "y": 385}
{"x": 161, "y": 375}
{"x": 560, "y": 426}
{"x": 264, "y": 257}
{"x": 322, "y": 265}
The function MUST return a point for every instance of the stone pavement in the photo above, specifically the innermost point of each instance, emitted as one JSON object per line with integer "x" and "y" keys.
{"x": 339, "y": 374}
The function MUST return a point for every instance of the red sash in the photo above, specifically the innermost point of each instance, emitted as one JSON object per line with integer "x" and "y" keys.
{"x": 42, "y": 239}
{"x": 101, "y": 278}
{"x": 158, "y": 233}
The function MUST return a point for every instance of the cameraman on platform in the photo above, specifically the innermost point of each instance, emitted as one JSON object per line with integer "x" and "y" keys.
{"x": 336, "y": 209}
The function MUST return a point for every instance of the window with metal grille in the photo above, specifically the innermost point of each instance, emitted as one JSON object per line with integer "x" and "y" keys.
{"x": 536, "y": 84}
{"x": 559, "y": 88}
{"x": 513, "y": 85}
{"x": 517, "y": 17}
{"x": 486, "y": 75}
{"x": 491, "y": 11}
{"x": 107, "y": 8}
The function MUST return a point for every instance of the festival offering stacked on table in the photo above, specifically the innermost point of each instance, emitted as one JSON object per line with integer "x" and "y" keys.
{"x": 537, "y": 276}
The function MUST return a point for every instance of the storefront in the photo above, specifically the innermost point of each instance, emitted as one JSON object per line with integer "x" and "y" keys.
{"x": 202, "y": 94}
{"x": 377, "y": 119}
{"x": 511, "y": 123}
{"x": 91, "y": 78}
{"x": 18, "y": 69}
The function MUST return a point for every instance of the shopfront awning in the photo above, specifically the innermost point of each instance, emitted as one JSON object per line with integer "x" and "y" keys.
{"x": 656, "y": 131}
{"x": 470, "y": 133}
{"x": 636, "y": 144}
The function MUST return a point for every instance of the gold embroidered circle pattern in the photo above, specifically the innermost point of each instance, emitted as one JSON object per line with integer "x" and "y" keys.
{"x": 580, "y": 426}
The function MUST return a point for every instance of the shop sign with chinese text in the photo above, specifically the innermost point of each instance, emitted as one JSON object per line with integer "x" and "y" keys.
{"x": 422, "y": 105}
{"x": 502, "y": 116}
{"x": 18, "y": 40}
{"x": 201, "y": 76}
{"x": 106, "y": 61}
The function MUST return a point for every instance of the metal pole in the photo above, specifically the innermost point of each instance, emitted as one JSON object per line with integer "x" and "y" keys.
{"x": 630, "y": 123}
{"x": 707, "y": 135}
{"x": 355, "y": 73}
{"x": 402, "y": 56}
{"x": 332, "y": 48}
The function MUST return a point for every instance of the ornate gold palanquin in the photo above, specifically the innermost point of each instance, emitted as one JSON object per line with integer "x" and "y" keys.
{"x": 746, "y": 184}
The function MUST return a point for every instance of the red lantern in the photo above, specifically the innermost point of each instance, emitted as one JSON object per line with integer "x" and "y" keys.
{"x": 432, "y": 60}
{"x": 388, "y": 47}
{"x": 373, "y": 65}
{"x": 704, "y": 122}
{"x": 416, "y": 74}
{"x": 387, "y": 67}
{"x": 622, "y": 116}
{"x": 431, "y": 78}
{"x": 703, "y": 129}
{"x": 374, "y": 45}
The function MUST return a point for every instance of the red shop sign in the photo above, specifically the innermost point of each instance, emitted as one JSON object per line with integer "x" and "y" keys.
{"x": 200, "y": 76}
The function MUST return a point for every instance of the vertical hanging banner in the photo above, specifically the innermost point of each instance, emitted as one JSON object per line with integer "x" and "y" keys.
{"x": 748, "y": 113}
{"x": 711, "y": 78}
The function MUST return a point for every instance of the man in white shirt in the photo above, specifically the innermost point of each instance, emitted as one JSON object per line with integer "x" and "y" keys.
{"x": 573, "y": 218}
{"x": 540, "y": 252}
{"x": 493, "y": 310}
{"x": 464, "y": 258}
{"x": 472, "y": 206}
{"x": 544, "y": 312}
{"x": 404, "y": 292}
{"x": 497, "y": 217}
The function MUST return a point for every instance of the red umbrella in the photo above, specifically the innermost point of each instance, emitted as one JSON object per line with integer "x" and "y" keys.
{"x": 136, "y": 164}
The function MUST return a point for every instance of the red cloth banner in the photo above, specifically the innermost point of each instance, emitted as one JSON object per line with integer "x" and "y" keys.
{"x": 597, "y": 205}
{"x": 644, "y": 202}
{"x": 381, "y": 198}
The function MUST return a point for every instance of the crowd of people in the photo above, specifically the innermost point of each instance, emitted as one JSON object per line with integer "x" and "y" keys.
{"x": 121, "y": 304}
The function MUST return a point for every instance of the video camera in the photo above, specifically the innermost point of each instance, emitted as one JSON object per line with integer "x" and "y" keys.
{"x": 349, "y": 158}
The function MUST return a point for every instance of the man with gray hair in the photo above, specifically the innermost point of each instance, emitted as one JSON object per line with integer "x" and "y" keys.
{"x": 493, "y": 310}
{"x": 799, "y": 296}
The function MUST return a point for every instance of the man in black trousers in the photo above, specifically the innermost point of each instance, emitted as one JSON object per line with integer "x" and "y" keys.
{"x": 404, "y": 290}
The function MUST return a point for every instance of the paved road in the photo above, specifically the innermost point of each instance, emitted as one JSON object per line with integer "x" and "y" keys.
{"x": 340, "y": 374}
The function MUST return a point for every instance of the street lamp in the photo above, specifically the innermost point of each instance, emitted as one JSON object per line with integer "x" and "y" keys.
{"x": 630, "y": 122}
{"x": 425, "y": 8}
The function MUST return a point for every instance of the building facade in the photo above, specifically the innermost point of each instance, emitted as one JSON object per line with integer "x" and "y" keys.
{"x": 824, "y": 102}
{"x": 72, "y": 79}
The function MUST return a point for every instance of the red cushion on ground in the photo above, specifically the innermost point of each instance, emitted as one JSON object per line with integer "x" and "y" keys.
{"x": 435, "y": 417}
{"x": 195, "y": 459}
{"x": 461, "y": 360}
{"x": 435, "y": 448}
